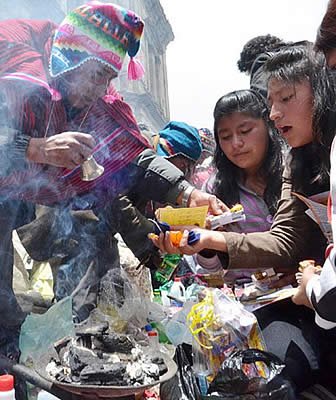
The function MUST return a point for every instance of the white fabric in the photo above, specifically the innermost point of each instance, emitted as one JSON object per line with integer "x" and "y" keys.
{"x": 321, "y": 285}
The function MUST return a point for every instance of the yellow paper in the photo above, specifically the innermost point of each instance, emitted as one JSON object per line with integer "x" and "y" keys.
{"x": 183, "y": 216}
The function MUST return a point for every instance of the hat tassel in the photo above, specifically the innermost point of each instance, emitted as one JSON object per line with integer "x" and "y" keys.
{"x": 135, "y": 69}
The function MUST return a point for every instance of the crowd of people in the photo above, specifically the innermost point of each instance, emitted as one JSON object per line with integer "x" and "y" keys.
{"x": 270, "y": 140}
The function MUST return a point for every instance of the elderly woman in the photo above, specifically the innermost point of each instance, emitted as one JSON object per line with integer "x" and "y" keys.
{"x": 53, "y": 116}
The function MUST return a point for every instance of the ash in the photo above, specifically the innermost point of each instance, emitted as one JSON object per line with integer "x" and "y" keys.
{"x": 99, "y": 357}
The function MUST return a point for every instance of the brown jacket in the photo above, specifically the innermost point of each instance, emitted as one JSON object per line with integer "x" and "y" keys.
{"x": 293, "y": 237}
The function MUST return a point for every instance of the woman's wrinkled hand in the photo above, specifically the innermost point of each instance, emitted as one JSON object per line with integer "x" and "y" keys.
{"x": 199, "y": 198}
{"x": 66, "y": 150}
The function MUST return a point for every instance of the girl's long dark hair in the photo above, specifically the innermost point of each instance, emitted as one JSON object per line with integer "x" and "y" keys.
{"x": 310, "y": 164}
{"x": 228, "y": 174}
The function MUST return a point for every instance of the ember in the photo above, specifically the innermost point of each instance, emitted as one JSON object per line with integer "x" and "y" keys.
{"x": 99, "y": 357}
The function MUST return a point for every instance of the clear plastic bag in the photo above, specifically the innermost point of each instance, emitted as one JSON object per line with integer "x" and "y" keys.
{"x": 222, "y": 326}
{"x": 121, "y": 301}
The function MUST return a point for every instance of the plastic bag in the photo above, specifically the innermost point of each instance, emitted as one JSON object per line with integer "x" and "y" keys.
{"x": 120, "y": 297}
{"x": 177, "y": 329}
{"x": 183, "y": 386}
{"x": 222, "y": 326}
{"x": 40, "y": 332}
{"x": 239, "y": 377}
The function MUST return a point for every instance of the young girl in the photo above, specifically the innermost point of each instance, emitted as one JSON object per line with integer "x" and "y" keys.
{"x": 248, "y": 161}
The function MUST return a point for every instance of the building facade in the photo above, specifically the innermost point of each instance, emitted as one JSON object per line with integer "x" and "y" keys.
{"x": 148, "y": 97}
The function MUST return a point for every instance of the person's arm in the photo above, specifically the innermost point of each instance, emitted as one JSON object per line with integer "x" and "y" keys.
{"x": 20, "y": 149}
{"x": 293, "y": 237}
{"x": 125, "y": 218}
{"x": 163, "y": 182}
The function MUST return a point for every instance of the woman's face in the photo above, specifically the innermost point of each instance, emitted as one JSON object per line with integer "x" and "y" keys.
{"x": 292, "y": 110}
{"x": 244, "y": 140}
{"x": 86, "y": 84}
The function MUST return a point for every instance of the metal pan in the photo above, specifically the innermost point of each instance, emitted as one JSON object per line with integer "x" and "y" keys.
{"x": 94, "y": 391}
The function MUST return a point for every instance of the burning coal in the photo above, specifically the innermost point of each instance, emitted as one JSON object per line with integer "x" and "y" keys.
{"x": 97, "y": 357}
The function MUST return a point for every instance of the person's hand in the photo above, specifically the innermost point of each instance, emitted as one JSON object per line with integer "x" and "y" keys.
{"x": 208, "y": 240}
{"x": 164, "y": 243}
{"x": 300, "y": 298}
{"x": 198, "y": 198}
{"x": 67, "y": 149}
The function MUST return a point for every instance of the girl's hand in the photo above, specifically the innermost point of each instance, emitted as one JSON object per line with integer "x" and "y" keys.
{"x": 300, "y": 298}
{"x": 205, "y": 241}
{"x": 163, "y": 242}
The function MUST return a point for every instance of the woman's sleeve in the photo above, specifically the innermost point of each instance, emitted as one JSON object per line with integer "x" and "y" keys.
{"x": 293, "y": 237}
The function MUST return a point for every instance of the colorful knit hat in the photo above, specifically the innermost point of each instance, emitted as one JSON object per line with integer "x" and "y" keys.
{"x": 208, "y": 140}
{"x": 97, "y": 31}
{"x": 178, "y": 138}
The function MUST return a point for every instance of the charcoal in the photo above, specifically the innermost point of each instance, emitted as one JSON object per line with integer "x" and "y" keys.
{"x": 112, "y": 374}
{"x": 157, "y": 360}
{"x": 151, "y": 370}
{"x": 161, "y": 364}
{"x": 162, "y": 369}
{"x": 64, "y": 378}
{"x": 62, "y": 345}
{"x": 114, "y": 343}
{"x": 92, "y": 330}
{"x": 115, "y": 360}
{"x": 135, "y": 373}
{"x": 79, "y": 358}
{"x": 75, "y": 379}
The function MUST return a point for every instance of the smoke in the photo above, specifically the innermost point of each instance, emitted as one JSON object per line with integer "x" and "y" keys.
{"x": 73, "y": 239}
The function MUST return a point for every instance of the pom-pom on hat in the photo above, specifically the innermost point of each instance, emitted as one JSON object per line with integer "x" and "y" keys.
{"x": 97, "y": 31}
{"x": 178, "y": 138}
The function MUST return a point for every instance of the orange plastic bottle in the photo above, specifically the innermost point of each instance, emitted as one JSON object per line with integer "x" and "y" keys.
{"x": 175, "y": 237}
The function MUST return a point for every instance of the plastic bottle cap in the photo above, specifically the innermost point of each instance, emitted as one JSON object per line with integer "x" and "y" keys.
{"x": 177, "y": 280}
{"x": 152, "y": 333}
{"x": 6, "y": 383}
{"x": 148, "y": 328}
